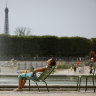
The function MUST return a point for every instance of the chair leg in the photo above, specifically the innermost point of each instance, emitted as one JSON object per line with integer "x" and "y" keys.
{"x": 37, "y": 86}
{"x": 46, "y": 86}
{"x": 93, "y": 83}
{"x": 86, "y": 83}
{"x": 77, "y": 83}
{"x": 29, "y": 84}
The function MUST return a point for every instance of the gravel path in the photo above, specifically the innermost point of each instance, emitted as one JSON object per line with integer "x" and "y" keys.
{"x": 57, "y": 93}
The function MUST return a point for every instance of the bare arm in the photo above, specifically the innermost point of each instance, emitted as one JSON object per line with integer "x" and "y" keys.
{"x": 39, "y": 69}
{"x": 25, "y": 71}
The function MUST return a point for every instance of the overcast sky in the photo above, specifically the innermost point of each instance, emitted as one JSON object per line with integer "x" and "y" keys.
{"x": 51, "y": 17}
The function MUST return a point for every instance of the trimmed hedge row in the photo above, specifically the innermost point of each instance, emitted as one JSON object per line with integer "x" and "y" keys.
{"x": 45, "y": 46}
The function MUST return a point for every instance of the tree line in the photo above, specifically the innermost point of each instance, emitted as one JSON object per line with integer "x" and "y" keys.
{"x": 45, "y": 46}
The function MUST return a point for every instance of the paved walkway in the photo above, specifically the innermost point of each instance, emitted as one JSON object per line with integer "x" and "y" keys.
{"x": 57, "y": 93}
{"x": 81, "y": 70}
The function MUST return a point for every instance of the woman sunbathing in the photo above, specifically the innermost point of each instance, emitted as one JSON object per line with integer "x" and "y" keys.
{"x": 50, "y": 62}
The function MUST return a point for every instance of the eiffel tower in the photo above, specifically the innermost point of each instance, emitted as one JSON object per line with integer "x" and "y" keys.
{"x": 6, "y": 26}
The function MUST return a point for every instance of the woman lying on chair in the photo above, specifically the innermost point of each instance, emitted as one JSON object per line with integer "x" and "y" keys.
{"x": 50, "y": 62}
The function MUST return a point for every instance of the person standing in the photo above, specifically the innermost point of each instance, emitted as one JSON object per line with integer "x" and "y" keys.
{"x": 77, "y": 63}
{"x": 91, "y": 64}
{"x": 75, "y": 68}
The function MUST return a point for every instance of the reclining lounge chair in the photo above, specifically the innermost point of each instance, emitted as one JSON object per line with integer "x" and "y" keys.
{"x": 42, "y": 77}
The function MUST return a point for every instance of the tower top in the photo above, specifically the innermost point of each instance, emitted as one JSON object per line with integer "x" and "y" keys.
{"x": 6, "y": 3}
{"x": 6, "y": 26}
{"x": 6, "y": 9}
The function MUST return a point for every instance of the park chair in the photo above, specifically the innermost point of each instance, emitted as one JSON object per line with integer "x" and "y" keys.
{"x": 79, "y": 81}
{"x": 42, "y": 77}
{"x": 86, "y": 77}
{"x": 93, "y": 76}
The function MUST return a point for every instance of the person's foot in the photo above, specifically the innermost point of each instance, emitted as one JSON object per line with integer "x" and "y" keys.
{"x": 17, "y": 89}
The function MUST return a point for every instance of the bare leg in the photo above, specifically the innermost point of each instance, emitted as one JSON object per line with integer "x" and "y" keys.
{"x": 19, "y": 86}
{"x": 23, "y": 83}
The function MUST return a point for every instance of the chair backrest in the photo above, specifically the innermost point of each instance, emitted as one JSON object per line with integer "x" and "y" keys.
{"x": 94, "y": 68}
{"x": 95, "y": 65}
{"x": 46, "y": 73}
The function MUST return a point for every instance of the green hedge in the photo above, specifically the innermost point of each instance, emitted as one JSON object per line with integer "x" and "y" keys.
{"x": 45, "y": 46}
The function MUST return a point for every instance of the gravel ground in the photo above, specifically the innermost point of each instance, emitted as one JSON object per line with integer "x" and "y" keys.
{"x": 35, "y": 93}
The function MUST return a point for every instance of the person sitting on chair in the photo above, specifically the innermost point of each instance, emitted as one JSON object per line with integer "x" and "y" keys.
{"x": 50, "y": 62}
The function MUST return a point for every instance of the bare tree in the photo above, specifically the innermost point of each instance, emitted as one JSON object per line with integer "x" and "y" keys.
{"x": 22, "y": 31}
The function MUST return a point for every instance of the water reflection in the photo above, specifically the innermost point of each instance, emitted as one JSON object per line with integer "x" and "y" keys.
{"x": 66, "y": 80}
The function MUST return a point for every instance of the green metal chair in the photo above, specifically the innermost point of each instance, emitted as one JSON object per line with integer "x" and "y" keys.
{"x": 87, "y": 77}
{"x": 93, "y": 76}
{"x": 42, "y": 77}
{"x": 79, "y": 81}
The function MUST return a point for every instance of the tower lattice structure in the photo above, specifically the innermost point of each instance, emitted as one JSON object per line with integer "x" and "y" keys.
{"x": 6, "y": 26}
